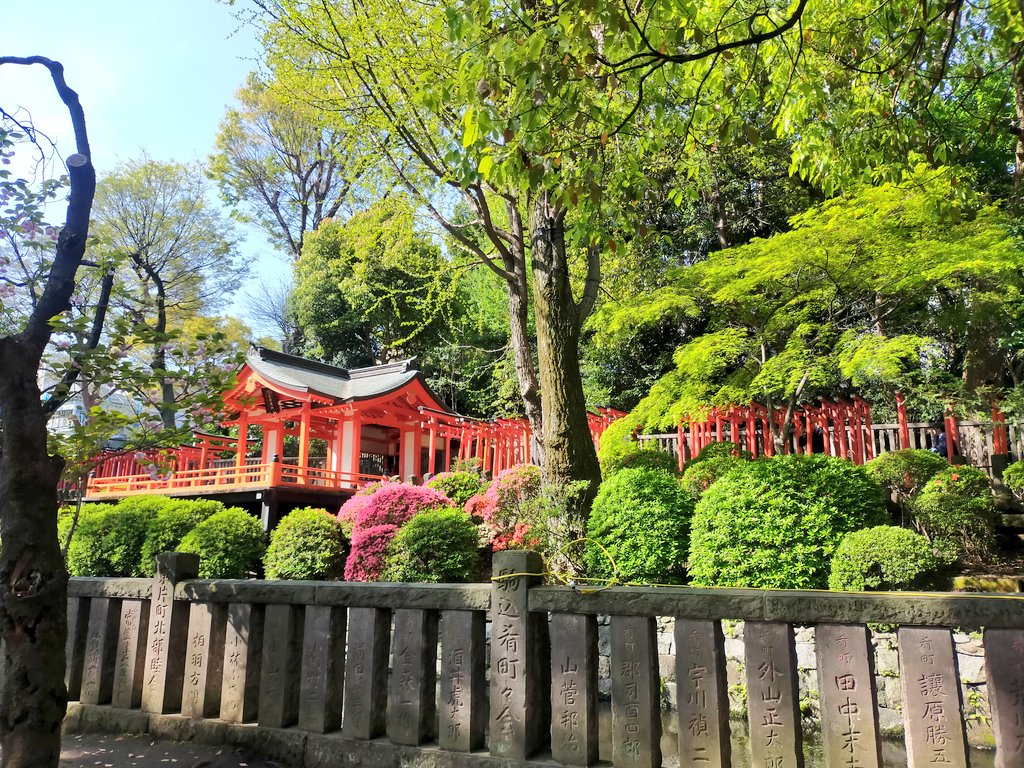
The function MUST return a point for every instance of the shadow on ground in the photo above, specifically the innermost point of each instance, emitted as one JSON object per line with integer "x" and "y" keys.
{"x": 101, "y": 751}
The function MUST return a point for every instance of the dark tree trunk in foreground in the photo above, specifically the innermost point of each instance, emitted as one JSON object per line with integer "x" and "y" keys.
{"x": 33, "y": 580}
{"x": 568, "y": 448}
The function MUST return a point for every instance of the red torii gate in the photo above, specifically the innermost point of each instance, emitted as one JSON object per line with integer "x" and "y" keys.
{"x": 845, "y": 430}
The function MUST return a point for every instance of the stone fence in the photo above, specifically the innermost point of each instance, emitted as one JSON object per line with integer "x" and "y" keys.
{"x": 513, "y": 673}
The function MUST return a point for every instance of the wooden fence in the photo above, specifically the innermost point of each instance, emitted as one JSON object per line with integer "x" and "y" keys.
{"x": 506, "y": 674}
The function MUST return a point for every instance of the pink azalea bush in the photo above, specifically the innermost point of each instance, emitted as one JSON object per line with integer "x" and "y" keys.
{"x": 382, "y": 511}
{"x": 369, "y": 552}
{"x": 502, "y": 507}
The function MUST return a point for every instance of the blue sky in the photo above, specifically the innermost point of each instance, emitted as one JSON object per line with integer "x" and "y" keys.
{"x": 153, "y": 76}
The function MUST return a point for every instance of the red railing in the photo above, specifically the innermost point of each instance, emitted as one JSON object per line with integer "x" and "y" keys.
{"x": 236, "y": 478}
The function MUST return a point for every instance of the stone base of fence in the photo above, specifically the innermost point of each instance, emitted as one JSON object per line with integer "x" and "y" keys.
{"x": 288, "y": 746}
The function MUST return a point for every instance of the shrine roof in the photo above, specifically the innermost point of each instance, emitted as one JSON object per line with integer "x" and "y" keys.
{"x": 343, "y": 385}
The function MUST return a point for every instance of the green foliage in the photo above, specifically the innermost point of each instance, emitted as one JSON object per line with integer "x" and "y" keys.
{"x": 955, "y": 509}
{"x": 171, "y": 520}
{"x": 701, "y": 475}
{"x": 641, "y": 518}
{"x": 460, "y": 487}
{"x": 439, "y": 545}
{"x": 724, "y": 448}
{"x": 884, "y": 558}
{"x": 617, "y": 441}
{"x": 308, "y": 543}
{"x": 776, "y": 321}
{"x": 775, "y": 523}
{"x": 1013, "y": 477}
{"x": 646, "y": 456}
{"x": 108, "y": 539}
{"x": 230, "y": 544}
{"x": 370, "y": 288}
{"x": 904, "y": 473}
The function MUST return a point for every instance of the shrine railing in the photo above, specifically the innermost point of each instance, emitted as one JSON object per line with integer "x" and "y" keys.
{"x": 324, "y": 669}
{"x": 226, "y": 477}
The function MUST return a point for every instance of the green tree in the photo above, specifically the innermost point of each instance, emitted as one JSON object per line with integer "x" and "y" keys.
{"x": 371, "y": 289}
{"x": 176, "y": 255}
{"x": 501, "y": 107}
{"x": 863, "y": 291}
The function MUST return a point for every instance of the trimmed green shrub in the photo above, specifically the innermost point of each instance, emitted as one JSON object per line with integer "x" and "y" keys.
{"x": 645, "y": 457}
{"x": 460, "y": 487}
{"x": 307, "y": 544}
{"x": 775, "y": 523}
{"x": 904, "y": 473}
{"x": 1013, "y": 478}
{"x": 169, "y": 525}
{"x": 108, "y": 539}
{"x": 440, "y": 545}
{"x": 885, "y": 557}
{"x": 956, "y": 512}
{"x": 641, "y": 517}
{"x": 700, "y": 475}
{"x": 230, "y": 544}
{"x": 725, "y": 448}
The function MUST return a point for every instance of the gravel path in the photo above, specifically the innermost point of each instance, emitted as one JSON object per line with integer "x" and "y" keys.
{"x": 99, "y": 751}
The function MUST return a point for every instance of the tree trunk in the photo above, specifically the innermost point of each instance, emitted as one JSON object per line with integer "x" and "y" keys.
{"x": 569, "y": 454}
{"x": 166, "y": 406}
{"x": 1017, "y": 65}
{"x": 33, "y": 580}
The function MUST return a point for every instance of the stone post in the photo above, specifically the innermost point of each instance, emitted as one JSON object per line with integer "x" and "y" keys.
{"x": 100, "y": 651}
{"x": 636, "y": 714}
{"x": 849, "y": 707}
{"x": 411, "y": 705}
{"x": 131, "y": 654}
{"x": 78, "y": 633}
{"x": 463, "y": 719}
{"x": 279, "y": 674}
{"x": 574, "y": 689}
{"x": 366, "y": 673}
{"x": 702, "y": 694}
{"x": 168, "y": 634}
{"x": 773, "y": 700}
{"x": 1004, "y": 663}
{"x": 323, "y": 668}
{"x": 205, "y": 665}
{"x": 520, "y": 672}
{"x": 243, "y": 644}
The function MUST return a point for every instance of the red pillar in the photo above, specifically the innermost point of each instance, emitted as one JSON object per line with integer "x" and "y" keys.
{"x": 680, "y": 446}
{"x": 304, "y": 442}
{"x": 241, "y": 443}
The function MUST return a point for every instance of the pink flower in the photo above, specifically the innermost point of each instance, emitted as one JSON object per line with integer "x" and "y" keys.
{"x": 369, "y": 552}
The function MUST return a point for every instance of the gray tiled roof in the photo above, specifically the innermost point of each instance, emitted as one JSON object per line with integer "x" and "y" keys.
{"x": 330, "y": 381}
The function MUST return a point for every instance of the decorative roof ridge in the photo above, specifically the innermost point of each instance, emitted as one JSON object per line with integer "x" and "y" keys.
{"x": 399, "y": 366}
{"x": 273, "y": 356}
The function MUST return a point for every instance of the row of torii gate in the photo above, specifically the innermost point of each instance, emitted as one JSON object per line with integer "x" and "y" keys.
{"x": 840, "y": 428}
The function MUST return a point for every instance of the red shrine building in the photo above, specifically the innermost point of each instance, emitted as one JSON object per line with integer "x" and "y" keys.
{"x": 347, "y": 428}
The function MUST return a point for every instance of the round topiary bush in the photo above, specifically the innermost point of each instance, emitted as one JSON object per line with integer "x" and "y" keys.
{"x": 643, "y": 457}
{"x": 775, "y": 523}
{"x": 724, "y": 448}
{"x": 904, "y": 473}
{"x": 170, "y": 523}
{"x": 460, "y": 487}
{"x": 642, "y": 518}
{"x": 369, "y": 552}
{"x": 1013, "y": 478}
{"x": 108, "y": 539}
{"x": 701, "y": 475}
{"x": 440, "y": 546}
{"x": 308, "y": 543}
{"x": 230, "y": 544}
{"x": 885, "y": 557}
{"x": 956, "y": 512}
